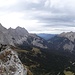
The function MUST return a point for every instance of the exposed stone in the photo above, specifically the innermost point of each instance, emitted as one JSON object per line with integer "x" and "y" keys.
{"x": 10, "y": 64}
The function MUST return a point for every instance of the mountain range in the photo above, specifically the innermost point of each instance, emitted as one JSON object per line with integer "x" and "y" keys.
{"x": 39, "y": 55}
{"x": 63, "y": 41}
{"x": 20, "y": 36}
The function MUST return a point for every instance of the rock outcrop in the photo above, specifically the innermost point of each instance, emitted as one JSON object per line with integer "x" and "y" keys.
{"x": 63, "y": 41}
{"x": 10, "y": 64}
{"x": 20, "y": 36}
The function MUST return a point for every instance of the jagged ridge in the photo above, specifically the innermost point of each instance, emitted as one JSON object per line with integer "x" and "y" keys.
{"x": 20, "y": 36}
{"x": 10, "y": 64}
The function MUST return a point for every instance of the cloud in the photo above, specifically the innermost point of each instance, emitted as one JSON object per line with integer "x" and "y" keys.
{"x": 49, "y": 16}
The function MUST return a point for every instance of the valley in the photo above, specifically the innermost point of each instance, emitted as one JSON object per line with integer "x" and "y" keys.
{"x": 55, "y": 56}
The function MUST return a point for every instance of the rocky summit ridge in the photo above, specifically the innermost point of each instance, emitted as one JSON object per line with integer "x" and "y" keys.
{"x": 10, "y": 64}
{"x": 64, "y": 41}
{"x": 20, "y": 36}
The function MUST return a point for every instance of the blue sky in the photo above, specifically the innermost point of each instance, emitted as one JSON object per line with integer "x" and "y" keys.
{"x": 39, "y": 16}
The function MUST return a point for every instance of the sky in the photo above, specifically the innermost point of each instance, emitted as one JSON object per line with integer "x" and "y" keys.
{"x": 39, "y": 16}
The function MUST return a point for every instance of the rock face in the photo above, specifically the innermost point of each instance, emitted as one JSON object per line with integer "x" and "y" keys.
{"x": 20, "y": 36}
{"x": 69, "y": 35}
{"x": 63, "y": 41}
{"x": 10, "y": 64}
{"x": 38, "y": 42}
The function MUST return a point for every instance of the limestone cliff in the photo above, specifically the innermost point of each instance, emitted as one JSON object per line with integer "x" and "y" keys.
{"x": 10, "y": 64}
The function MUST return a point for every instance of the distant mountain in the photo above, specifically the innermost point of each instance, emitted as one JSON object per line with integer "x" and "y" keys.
{"x": 20, "y": 37}
{"x": 46, "y": 36}
{"x": 55, "y": 56}
{"x": 63, "y": 41}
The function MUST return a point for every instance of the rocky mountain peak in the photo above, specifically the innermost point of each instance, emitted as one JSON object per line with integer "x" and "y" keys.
{"x": 20, "y": 36}
{"x": 64, "y": 41}
{"x": 0, "y": 24}
{"x": 3, "y": 29}
{"x": 69, "y": 35}
{"x": 65, "y": 34}
{"x": 10, "y": 28}
{"x": 10, "y": 64}
{"x": 21, "y": 30}
{"x": 18, "y": 27}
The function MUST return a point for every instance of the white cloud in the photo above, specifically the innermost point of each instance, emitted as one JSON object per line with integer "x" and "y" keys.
{"x": 7, "y": 2}
{"x": 54, "y": 30}
{"x": 15, "y": 19}
{"x": 47, "y": 3}
{"x": 66, "y": 6}
{"x": 45, "y": 16}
